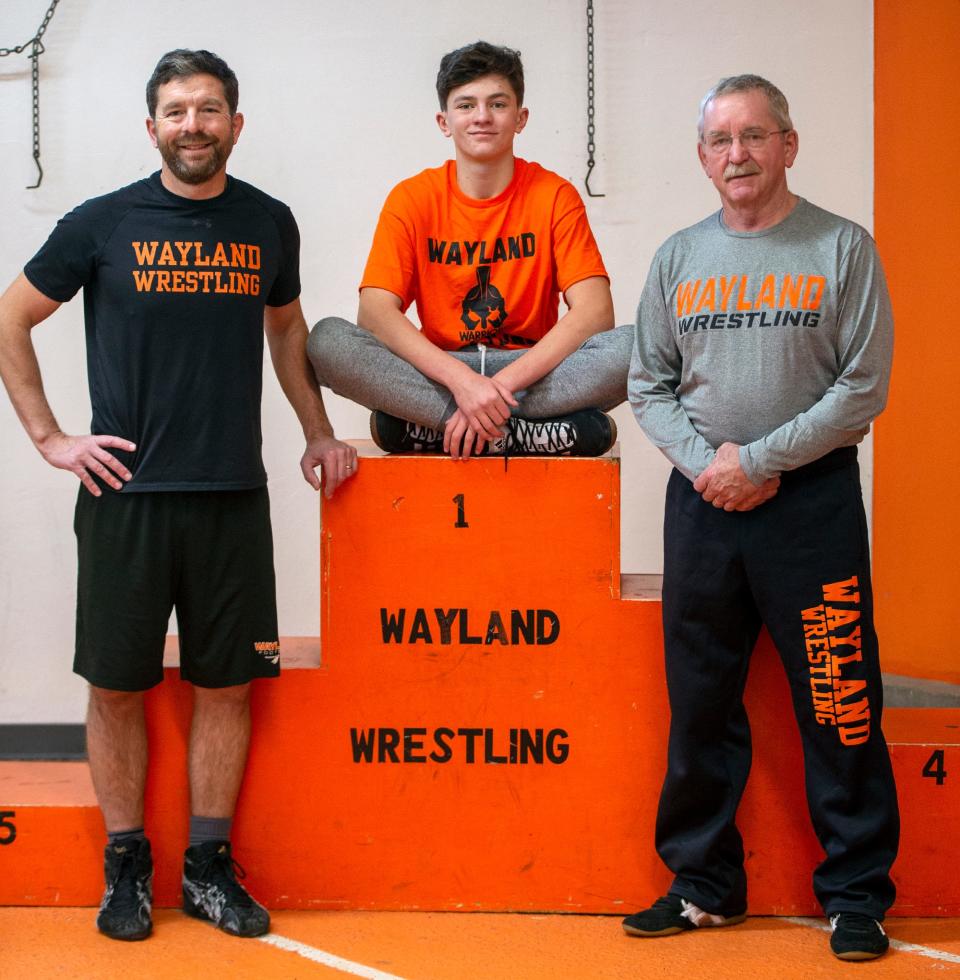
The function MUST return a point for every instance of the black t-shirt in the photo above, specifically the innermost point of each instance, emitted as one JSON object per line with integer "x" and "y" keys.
{"x": 174, "y": 294}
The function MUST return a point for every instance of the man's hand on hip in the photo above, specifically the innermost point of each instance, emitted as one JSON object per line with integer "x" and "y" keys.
{"x": 84, "y": 455}
{"x": 724, "y": 484}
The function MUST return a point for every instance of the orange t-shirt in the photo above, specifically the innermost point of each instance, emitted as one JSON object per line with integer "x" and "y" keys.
{"x": 488, "y": 272}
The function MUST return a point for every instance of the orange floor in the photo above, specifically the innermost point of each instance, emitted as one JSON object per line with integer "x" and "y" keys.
{"x": 41, "y": 943}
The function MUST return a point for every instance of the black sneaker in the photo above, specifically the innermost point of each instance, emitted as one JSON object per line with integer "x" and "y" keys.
{"x": 211, "y": 891}
{"x": 585, "y": 433}
{"x": 857, "y": 937}
{"x": 672, "y": 914}
{"x": 125, "y": 909}
{"x": 395, "y": 435}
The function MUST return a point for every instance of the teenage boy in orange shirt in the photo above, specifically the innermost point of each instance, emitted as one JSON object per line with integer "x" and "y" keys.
{"x": 484, "y": 246}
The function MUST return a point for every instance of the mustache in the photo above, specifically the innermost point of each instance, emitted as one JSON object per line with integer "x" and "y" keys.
{"x": 740, "y": 170}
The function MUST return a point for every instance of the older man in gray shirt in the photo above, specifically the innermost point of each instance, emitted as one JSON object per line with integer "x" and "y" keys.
{"x": 764, "y": 339}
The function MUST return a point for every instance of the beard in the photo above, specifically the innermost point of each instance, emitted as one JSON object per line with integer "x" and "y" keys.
{"x": 200, "y": 170}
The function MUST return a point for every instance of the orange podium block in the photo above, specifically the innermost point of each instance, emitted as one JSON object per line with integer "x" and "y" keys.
{"x": 51, "y": 835}
{"x": 485, "y": 728}
{"x": 505, "y": 709}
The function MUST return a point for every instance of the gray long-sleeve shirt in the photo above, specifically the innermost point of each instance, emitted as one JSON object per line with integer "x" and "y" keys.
{"x": 778, "y": 340}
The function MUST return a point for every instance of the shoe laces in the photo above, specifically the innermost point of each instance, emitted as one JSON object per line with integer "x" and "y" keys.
{"x": 538, "y": 436}
{"x": 856, "y": 921}
{"x": 422, "y": 433}
{"x": 123, "y": 884}
{"x": 666, "y": 902}
{"x": 222, "y": 869}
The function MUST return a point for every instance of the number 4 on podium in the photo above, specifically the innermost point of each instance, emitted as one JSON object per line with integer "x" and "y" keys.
{"x": 934, "y": 768}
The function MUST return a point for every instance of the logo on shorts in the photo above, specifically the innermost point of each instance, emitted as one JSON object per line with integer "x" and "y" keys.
{"x": 268, "y": 649}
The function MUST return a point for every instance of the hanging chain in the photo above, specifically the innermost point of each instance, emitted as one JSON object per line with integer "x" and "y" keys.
{"x": 591, "y": 128}
{"x": 35, "y": 44}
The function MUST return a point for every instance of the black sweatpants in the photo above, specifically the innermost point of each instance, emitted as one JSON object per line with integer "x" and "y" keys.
{"x": 800, "y": 565}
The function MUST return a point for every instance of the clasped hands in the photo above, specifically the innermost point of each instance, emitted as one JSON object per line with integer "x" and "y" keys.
{"x": 724, "y": 484}
{"x": 483, "y": 408}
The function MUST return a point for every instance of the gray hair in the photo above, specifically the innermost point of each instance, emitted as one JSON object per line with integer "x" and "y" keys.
{"x": 183, "y": 63}
{"x": 748, "y": 83}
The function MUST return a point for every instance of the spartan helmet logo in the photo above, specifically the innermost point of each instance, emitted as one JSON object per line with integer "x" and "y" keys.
{"x": 483, "y": 307}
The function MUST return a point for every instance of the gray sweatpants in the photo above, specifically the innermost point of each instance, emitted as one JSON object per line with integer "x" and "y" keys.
{"x": 353, "y": 363}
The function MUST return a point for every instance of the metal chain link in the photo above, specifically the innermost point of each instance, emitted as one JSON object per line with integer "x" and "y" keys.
{"x": 35, "y": 44}
{"x": 591, "y": 128}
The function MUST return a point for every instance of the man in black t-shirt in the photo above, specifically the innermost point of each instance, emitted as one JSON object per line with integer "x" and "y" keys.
{"x": 182, "y": 274}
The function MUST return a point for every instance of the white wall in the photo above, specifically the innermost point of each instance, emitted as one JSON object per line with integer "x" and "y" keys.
{"x": 339, "y": 105}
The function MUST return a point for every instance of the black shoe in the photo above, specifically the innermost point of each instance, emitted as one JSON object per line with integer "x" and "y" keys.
{"x": 857, "y": 937}
{"x": 395, "y": 435}
{"x": 211, "y": 891}
{"x": 586, "y": 433}
{"x": 672, "y": 914}
{"x": 125, "y": 909}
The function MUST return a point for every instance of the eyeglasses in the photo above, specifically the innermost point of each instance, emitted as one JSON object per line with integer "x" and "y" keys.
{"x": 751, "y": 139}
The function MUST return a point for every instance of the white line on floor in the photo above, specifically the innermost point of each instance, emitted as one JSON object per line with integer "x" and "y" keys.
{"x": 327, "y": 959}
{"x": 933, "y": 954}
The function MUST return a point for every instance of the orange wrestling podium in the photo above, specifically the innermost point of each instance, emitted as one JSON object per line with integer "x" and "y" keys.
{"x": 485, "y": 728}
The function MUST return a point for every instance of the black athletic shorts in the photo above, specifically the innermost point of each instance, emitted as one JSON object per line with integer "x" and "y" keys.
{"x": 208, "y": 554}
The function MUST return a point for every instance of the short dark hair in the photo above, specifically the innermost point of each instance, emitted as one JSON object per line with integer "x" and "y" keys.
{"x": 182, "y": 63}
{"x": 476, "y": 60}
